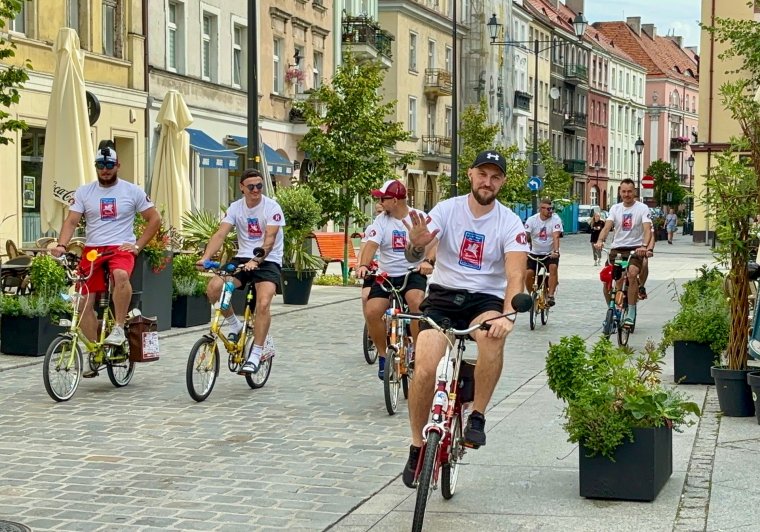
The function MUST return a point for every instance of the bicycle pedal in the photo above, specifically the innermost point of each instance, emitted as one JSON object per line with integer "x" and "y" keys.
{"x": 471, "y": 445}
{"x": 90, "y": 374}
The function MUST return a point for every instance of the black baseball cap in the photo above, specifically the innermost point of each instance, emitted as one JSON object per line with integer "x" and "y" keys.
{"x": 491, "y": 157}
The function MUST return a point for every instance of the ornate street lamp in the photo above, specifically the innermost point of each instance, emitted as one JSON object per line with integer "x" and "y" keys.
{"x": 639, "y": 145}
{"x": 579, "y": 26}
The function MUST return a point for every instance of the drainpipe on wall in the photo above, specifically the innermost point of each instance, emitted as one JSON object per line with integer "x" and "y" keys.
{"x": 146, "y": 88}
{"x": 710, "y": 113}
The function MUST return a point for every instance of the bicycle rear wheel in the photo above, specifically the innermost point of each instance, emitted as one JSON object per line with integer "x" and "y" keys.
{"x": 450, "y": 470}
{"x": 391, "y": 381}
{"x": 544, "y": 315}
{"x": 533, "y": 309}
{"x": 202, "y": 368}
{"x": 623, "y": 332}
{"x": 120, "y": 369}
{"x": 62, "y": 369}
{"x": 609, "y": 321}
{"x": 426, "y": 479}
{"x": 370, "y": 351}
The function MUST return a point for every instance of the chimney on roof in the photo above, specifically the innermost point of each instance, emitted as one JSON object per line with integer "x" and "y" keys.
{"x": 677, "y": 39}
{"x": 635, "y": 24}
{"x": 650, "y": 30}
{"x": 575, "y": 5}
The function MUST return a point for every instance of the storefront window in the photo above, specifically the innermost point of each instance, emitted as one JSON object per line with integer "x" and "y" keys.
{"x": 32, "y": 149}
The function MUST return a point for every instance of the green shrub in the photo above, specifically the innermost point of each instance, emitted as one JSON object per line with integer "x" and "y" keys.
{"x": 47, "y": 275}
{"x": 329, "y": 279}
{"x": 186, "y": 279}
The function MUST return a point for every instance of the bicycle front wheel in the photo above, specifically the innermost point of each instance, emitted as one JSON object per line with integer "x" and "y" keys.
{"x": 544, "y": 315}
{"x": 120, "y": 369}
{"x": 62, "y": 368}
{"x": 202, "y": 368}
{"x": 391, "y": 382}
{"x": 623, "y": 332}
{"x": 450, "y": 470}
{"x": 370, "y": 351}
{"x": 533, "y": 310}
{"x": 608, "y": 323}
{"x": 426, "y": 479}
{"x": 260, "y": 378}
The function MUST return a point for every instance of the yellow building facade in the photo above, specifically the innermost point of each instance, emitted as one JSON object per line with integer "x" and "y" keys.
{"x": 112, "y": 38}
{"x": 716, "y": 126}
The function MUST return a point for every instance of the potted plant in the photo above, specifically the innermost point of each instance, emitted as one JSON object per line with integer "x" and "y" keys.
{"x": 152, "y": 275}
{"x": 620, "y": 414}
{"x": 299, "y": 265}
{"x": 189, "y": 304}
{"x": 699, "y": 330}
{"x": 30, "y": 322}
{"x": 197, "y": 229}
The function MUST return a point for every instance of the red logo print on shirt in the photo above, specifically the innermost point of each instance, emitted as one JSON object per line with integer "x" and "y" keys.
{"x": 471, "y": 250}
{"x": 277, "y": 217}
{"x": 521, "y": 238}
{"x": 254, "y": 228}
{"x": 107, "y": 208}
{"x": 627, "y": 222}
{"x": 398, "y": 241}
{"x": 372, "y": 232}
{"x": 542, "y": 234}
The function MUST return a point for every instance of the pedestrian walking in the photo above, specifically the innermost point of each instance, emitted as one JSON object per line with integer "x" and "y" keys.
{"x": 671, "y": 222}
{"x": 596, "y": 225}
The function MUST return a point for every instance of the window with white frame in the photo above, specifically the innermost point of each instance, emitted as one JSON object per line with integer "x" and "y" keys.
{"x": 18, "y": 24}
{"x": 447, "y": 55}
{"x": 317, "y": 69}
{"x": 239, "y": 62}
{"x": 413, "y": 52}
{"x": 209, "y": 43}
{"x": 172, "y": 16}
{"x": 72, "y": 14}
{"x": 431, "y": 54}
{"x": 412, "y": 119}
{"x": 447, "y": 116}
{"x": 277, "y": 66}
{"x": 109, "y": 27}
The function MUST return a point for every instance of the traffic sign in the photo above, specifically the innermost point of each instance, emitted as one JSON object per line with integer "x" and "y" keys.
{"x": 535, "y": 183}
{"x": 647, "y": 181}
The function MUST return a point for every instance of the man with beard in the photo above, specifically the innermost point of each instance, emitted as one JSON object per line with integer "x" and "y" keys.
{"x": 481, "y": 251}
{"x": 388, "y": 234}
{"x": 109, "y": 206}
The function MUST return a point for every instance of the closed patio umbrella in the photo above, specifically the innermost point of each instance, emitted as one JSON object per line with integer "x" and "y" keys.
{"x": 170, "y": 186}
{"x": 68, "y": 157}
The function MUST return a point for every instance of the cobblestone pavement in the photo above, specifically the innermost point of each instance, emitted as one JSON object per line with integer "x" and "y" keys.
{"x": 300, "y": 453}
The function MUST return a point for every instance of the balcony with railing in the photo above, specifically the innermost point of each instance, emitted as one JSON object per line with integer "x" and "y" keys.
{"x": 437, "y": 83}
{"x": 366, "y": 40}
{"x": 435, "y": 147}
{"x": 522, "y": 102}
{"x": 575, "y": 166}
{"x": 575, "y": 74}
{"x": 575, "y": 121}
{"x": 678, "y": 143}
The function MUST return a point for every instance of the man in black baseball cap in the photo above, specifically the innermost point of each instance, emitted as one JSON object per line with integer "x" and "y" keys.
{"x": 490, "y": 157}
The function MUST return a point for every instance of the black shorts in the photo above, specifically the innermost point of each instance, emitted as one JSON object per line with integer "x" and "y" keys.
{"x": 267, "y": 271}
{"x": 416, "y": 281}
{"x": 548, "y": 261}
{"x": 459, "y": 307}
{"x": 368, "y": 282}
{"x": 634, "y": 259}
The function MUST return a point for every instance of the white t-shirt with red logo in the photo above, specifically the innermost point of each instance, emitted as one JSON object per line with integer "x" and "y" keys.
{"x": 109, "y": 212}
{"x": 251, "y": 226}
{"x": 471, "y": 250}
{"x": 628, "y": 223}
{"x": 390, "y": 235}
{"x": 542, "y": 233}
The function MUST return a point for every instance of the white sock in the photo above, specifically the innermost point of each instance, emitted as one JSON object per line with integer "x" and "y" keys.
{"x": 235, "y": 324}
{"x": 255, "y": 356}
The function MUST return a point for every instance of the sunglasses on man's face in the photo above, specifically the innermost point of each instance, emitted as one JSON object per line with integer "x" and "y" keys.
{"x": 257, "y": 186}
{"x": 110, "y": 165}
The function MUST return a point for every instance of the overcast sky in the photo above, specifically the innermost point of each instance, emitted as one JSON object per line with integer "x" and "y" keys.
{"x": 679, "y": 16}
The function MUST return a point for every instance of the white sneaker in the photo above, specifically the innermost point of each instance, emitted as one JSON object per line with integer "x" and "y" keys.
{"x": 116, "y": 337}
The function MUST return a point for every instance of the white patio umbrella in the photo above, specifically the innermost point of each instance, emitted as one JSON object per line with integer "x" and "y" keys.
{"x": 170, "y": 186}
{"x": 68, "y": 157}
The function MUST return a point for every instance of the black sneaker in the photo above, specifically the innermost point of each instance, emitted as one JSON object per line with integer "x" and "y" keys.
{"x": 550, "y": 301}
{"x": 642, "y": 292}
{"x": 474, "y": 432}
{"x": 411, "y": 466}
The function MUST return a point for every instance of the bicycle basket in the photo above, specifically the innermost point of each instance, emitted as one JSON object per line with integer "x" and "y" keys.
{"x": 466, "y": 382}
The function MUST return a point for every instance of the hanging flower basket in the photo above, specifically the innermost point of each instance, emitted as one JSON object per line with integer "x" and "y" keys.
{"x": 294, "y": 75}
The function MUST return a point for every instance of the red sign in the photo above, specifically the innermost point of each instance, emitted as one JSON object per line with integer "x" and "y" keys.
{"x": 647, "y": 181}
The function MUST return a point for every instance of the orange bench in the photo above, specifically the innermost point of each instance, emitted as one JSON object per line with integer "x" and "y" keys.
{"x": 330, "y": 247}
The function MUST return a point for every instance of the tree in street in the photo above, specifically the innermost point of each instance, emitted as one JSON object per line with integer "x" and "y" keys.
{"x": 666, "y": 182}
{"x": 13, "y": 77}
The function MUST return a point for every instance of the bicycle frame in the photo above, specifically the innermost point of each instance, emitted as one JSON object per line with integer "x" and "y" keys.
{"x": 234, "y": 349}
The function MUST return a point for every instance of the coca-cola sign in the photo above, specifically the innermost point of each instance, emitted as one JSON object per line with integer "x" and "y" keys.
{"x": 62, "y": 194}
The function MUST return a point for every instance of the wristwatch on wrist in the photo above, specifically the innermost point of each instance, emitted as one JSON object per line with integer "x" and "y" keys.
{"x": 429, "y": 261}
{"x": 61, "y": 246}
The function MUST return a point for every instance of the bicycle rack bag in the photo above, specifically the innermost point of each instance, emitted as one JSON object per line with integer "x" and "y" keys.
{"x": 142, "y": 334}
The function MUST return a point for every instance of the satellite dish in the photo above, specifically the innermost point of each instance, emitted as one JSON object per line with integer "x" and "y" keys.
{"x": 554, "y": 93}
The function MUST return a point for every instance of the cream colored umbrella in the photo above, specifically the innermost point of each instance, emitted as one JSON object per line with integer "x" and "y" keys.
{"x": 69, "y": 156}
{"x": 170, "y": 184}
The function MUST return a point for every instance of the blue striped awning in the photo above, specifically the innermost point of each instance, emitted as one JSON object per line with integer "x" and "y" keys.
{"x": 277, "y": 164}
{"x": 212, "y": 154}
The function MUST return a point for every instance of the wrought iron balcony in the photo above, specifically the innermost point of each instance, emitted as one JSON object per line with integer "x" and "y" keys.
{"x": 365, "y": 39}
{"x": 575, "y": 166}
{"x": 437, "y": 83}
{"x": 435, "y": 146}
{"x": 522, "y": 101}
{"x": 678, "y": 143}
{"x": 575, "y": 74}
{"x": 575, "y": 121}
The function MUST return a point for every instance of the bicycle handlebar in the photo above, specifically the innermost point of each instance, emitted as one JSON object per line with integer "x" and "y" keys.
{"x": 230, "y": 267}
{"x": 69, "y": 261}
{"x": 382, "y": 279}
{"x": 520, "y": 302}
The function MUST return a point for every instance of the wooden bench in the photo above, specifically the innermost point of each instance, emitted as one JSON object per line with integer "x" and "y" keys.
{"x": 330, "y": 247}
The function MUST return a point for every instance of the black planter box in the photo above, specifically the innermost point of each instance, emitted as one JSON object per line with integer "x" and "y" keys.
{"x": 640, "y": 470}
{"x": 189, "y": 311}
{"x": 156, "y": 291}
{"x": 296, "y": 288}
{"x": 734, "y": 394}
{"x": 692, "y": 362}
{"x": 20, "y": 335}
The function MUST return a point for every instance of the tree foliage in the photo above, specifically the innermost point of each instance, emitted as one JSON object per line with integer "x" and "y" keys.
{"x": 351, "y": 140}
{"x": 12, "y": 78}
{"x": 666, "y": 181}
{"x": 477, "y": 135}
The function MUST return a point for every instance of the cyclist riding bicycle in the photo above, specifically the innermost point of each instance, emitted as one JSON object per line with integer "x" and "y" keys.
{"x": 369, "y": 281}
{"x": 258, "y": 221}
{"x": 109, "y": 206}
{"x": 480, "y": 266}
{"x": 633, "y": 232}
{"x": 388, "y": 235}
{"x": 543, "y": 230}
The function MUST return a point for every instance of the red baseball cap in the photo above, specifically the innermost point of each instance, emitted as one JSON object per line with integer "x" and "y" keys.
{"x": 392, "y": 188}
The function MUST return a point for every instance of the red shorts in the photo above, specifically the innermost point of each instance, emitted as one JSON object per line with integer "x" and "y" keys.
{"x": 119, "y": 260}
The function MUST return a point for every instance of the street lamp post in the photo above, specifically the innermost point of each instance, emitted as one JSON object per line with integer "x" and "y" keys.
{"x": 688, "y": 224}
{"x": 597, "y": 166}
{"x": 579, "y": 27}
{"x": 639, "y": 145}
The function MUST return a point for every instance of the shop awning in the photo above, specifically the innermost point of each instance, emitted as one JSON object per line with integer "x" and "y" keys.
{"x": 278, "y": 165}
{"x": 212, "y": 154}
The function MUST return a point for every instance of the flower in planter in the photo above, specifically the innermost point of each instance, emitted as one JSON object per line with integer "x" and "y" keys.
{"x": 157, "y": 249}
{"x": 186, "y": 279}
{"x": 294, "y": 75}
